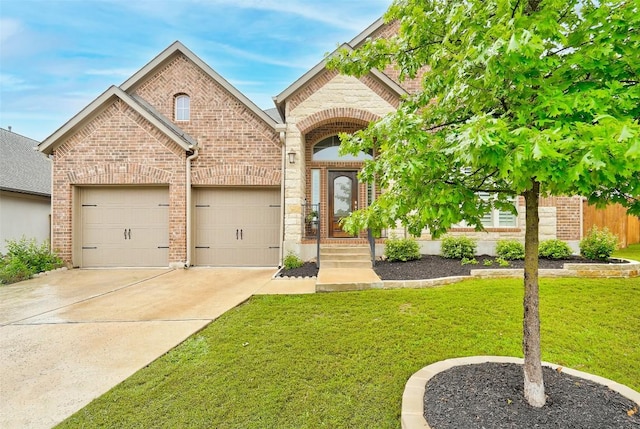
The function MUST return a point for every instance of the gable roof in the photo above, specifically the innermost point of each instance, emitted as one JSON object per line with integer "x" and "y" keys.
{"x": 281, "y": 98}
{"x": 124, "y": 91}
{"x": 85, "y": 115}
{"x": 366, "y": 33}
{"x": 178, "y": 48}
{"x": 22, "y": 168}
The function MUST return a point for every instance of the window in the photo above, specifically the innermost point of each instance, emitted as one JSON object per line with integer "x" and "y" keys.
{"x": 495, "y": 218}
{"x": 183, "y": 107}
{"x": 327, "y": 150}
{"x": 498, "y": 218}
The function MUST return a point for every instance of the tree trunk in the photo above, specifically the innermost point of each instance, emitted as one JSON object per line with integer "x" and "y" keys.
{"x": 533, "y": 382}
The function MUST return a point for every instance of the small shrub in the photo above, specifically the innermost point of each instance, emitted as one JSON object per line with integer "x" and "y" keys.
{"x": 468, "y": 261}
{"x": 401, "y": 249}
{"x": 510, "y": 250}
{"x": 292, "y": 261}
{"x": 458, "y": 247}
{"x": 25, "y": 258}
{"x": 554, "y": 249}
{"x": 598, "y": 244}
{"x": 487, "y": 262}
{"x": 502, "y": 262}
{"x": 13, "y": 270}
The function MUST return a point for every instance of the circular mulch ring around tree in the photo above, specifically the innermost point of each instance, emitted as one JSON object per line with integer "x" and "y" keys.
{"x": 486, "y": 392}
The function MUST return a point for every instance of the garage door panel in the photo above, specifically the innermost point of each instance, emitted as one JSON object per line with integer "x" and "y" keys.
{"x": 124, "y": 227}
{"x": 105, "y": 235}
{"x": 237, "y": 226}
{"x": 261, "y": 255}
{"x": 255, "y": 236}
{"x": 224, "y": 256}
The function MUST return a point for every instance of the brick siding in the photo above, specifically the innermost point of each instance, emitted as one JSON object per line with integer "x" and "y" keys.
{"x": 237, "y": 147}
{"x": 567, "y": 214}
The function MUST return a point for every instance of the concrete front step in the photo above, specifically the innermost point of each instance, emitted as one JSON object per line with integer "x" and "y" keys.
{"x": 345, "y": 257}
{"x": 330, "y": 248}
{"x": 329, "y": 252}
{"x": 347, "y": 263}
{"x": 351, "y": 257}
{"x": 341, "y": 279}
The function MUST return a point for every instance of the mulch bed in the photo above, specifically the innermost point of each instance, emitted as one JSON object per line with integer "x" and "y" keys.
{"x": 432, "y": 267}
{"x": 490, "y": 395}
{"x": 308, "y": 269}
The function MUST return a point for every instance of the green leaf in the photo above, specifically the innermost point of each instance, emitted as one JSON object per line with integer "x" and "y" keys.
{"x": 625, "y": 134}
{"x": 513, "y": 44}
{"x": 634, "y": 150}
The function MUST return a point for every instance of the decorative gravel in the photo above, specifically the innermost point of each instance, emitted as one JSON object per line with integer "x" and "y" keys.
{"x": 490, "y": 396}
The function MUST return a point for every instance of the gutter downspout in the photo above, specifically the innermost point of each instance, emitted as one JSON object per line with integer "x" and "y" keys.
{"x": 190, "y": 158}
{"x": 281, "y": 128}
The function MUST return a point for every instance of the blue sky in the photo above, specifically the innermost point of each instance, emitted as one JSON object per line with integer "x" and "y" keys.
{"x": 56, "y": 56}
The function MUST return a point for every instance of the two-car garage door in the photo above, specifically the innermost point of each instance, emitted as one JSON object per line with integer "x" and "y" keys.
{"x": 129, "y": 226}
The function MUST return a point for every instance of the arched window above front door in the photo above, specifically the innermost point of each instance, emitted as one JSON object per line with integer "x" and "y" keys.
{"x": 327, "y": 150}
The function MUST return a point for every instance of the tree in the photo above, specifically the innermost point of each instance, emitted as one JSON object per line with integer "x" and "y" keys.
{"x": 519, "y": 98}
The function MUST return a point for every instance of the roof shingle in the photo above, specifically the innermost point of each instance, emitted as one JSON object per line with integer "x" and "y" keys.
{"x": 22, "y": 168}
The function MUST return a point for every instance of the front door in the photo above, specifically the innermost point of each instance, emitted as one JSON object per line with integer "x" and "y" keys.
{"x": 343, "y": 199}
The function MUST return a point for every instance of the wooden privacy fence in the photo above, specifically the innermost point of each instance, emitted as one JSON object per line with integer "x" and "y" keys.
{"x": 616, "y": 219}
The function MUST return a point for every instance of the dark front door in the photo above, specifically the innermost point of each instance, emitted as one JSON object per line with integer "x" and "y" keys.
{"x": 343, "y": 199}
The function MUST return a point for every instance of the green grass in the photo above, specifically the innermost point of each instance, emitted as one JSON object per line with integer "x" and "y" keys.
{"x": 341, "y": 360}
{"x": 631, "y": 252}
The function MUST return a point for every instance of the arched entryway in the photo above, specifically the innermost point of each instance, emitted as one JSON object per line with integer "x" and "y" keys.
{"x": 333, "y": 190}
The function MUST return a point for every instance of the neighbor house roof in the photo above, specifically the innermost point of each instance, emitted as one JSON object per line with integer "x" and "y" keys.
{"x": 144, "y": 109}
{"x": 178, "y": 48}
{"x": 22, "y": 168}
{"x": 280, "y": 99}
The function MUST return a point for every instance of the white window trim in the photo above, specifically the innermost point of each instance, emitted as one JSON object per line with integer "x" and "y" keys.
{"x": 495, "y": 217}
{"x": 182, "y": 113}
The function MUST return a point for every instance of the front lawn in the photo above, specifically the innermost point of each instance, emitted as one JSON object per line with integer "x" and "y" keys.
{"x": 341, "y": 360}
{"x": 631, "y": 252}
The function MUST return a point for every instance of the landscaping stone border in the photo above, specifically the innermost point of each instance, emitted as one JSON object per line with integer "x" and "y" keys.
{"x": 412, "y": 416}
{"x": 630, "y": 269}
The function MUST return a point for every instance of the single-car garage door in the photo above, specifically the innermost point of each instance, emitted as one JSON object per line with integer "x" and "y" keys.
{"x": 237, "y": 227}
{"x": 124, "y": 227}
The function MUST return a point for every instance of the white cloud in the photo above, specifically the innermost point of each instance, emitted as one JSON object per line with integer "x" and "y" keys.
{"x": 11, "y": 83}
{"x": 326, "y": 12}
{"x": 8, "y": 28}
{"x": 259, "y": 58}
{"x": 117, "y": 72}
{"x": 236, "y": 82}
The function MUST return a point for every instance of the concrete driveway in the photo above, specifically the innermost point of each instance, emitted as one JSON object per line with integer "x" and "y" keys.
{"x": 68, "y": 337}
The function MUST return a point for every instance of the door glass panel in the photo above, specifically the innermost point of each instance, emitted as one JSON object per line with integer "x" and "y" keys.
{"x": 315, "y": 186}
{"x": 342, "y": 196}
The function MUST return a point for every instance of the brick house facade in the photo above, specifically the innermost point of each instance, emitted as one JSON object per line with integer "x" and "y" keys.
{"x": 133, "y": 177}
